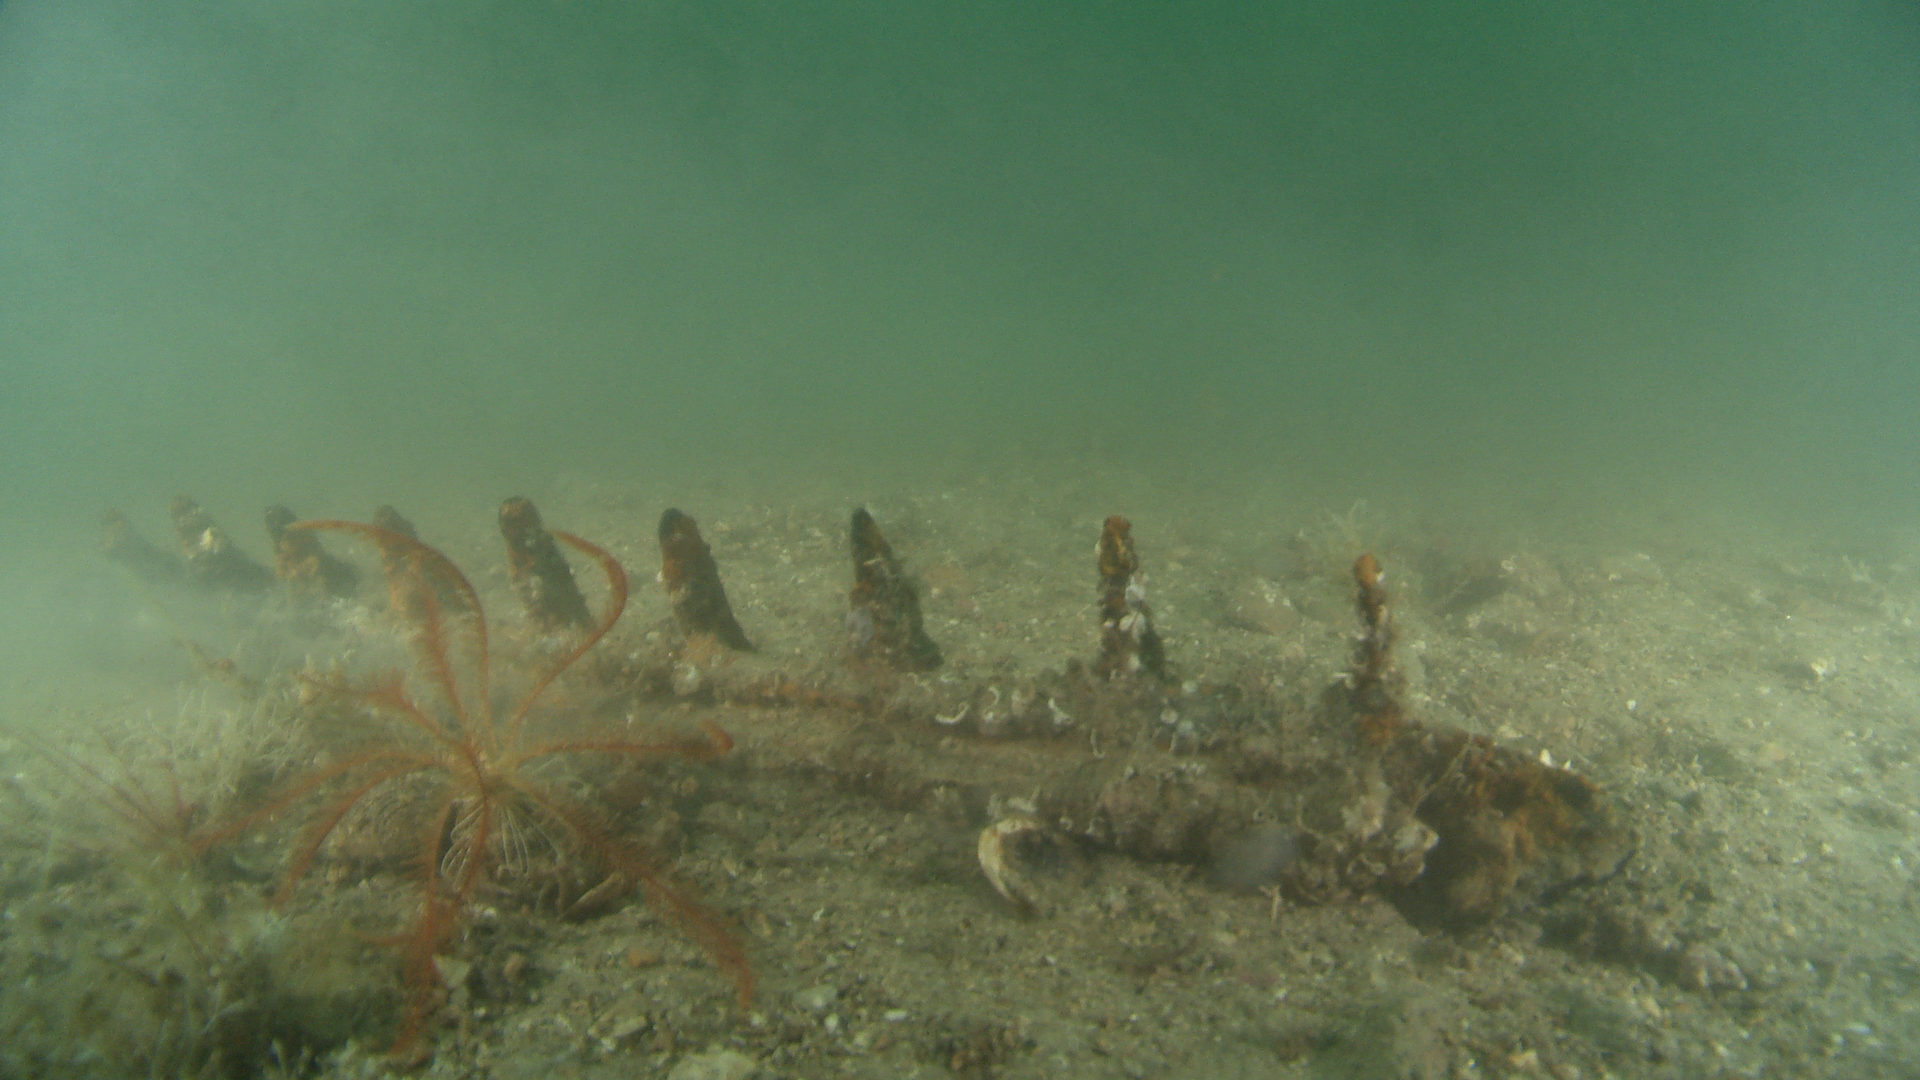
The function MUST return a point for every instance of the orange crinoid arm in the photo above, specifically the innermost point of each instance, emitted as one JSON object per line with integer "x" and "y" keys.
{"x": 480, "y": 783}
{"x": 424, "y": 572}
{"x": 616, "y": 603}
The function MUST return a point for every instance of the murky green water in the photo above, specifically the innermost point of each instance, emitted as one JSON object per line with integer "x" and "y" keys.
{"x": 270, "y": 249}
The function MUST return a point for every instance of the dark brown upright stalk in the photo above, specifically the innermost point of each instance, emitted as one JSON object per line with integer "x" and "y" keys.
{"x": 539, "y": 572}
{"x": 884, "y": 610}
{"x": 119, "y": 542}
{"x": 305, "y": 566}
{"x": 212, "y": 559}
{"x": 693, "y": 584}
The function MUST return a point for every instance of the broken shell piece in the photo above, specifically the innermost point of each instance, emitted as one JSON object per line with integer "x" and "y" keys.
{"x": 1406, "y": 857}
{"x": 1701, "y": 968}
{"x": 999, "y": 859}
{"x": 600, "y": 899}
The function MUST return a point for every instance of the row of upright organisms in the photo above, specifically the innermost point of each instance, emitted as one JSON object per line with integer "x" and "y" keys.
{"x": 884, "y": 622}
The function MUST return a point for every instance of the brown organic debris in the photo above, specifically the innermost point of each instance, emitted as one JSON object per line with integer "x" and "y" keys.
{"x": 1491, "y": 811}
{"x": 883, "y": 617}
{"x": 1498, "y": 815}
{"x": 692, "y": 578}
{"x": 539, "y": 572}
{"x": 1449, "y": 824}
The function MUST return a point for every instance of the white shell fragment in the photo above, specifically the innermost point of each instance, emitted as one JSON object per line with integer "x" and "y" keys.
{"x": 998, "y": 865}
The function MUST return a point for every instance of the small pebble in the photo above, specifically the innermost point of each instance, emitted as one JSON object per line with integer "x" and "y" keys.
{"x": 715, "y": 1064}
{"x": 624, "y": 1028}
{"x": 817, "y": 999}
{"x": 515, "y": 967}
{"x": 1254, "y": 858}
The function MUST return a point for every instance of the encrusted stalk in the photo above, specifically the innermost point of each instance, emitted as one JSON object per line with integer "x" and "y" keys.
{"x": 1128, "y": 643}
{"x": 212, "y": 559}
{"x": 539, "y": 573}
{"x": 1376, "y": 706}
{"x": 305, "y": 566}
{"x": 883, "y": 618}
{"x": 151, "y": 564}
{"x": 692, "y": 578}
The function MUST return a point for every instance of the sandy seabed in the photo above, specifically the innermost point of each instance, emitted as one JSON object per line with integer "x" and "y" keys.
{"x": 1750, "y": 711}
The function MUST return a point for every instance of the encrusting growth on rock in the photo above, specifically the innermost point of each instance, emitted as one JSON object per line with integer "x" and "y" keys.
{"x": 692, "y": 578}
{"x": 1128, "y": 643}
{"x": 883, "y": 619}
{"x": 539, "y": 573}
